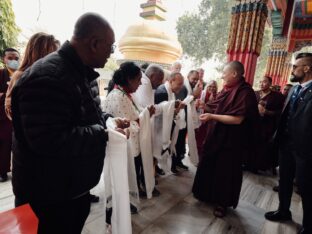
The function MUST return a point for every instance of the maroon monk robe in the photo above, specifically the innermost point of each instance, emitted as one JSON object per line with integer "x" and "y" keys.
{"x": 219, "y": 175}
{"x": 201, "y": 132}
{"x": 273, "y": 103}
{"x": 5, "y": 126}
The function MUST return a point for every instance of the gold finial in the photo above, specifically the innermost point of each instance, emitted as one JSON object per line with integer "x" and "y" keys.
{"x": 153, "y": 10}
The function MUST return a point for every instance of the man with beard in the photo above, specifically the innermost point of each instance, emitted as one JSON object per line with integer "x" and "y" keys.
{"x": 294, "y": 136}
{"x": 231, "y": 119}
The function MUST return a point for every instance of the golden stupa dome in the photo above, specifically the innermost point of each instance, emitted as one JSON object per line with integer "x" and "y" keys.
{"x": 150, "y": 41}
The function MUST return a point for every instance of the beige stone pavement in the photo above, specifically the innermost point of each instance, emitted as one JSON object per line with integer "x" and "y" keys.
{"x": 176, "y": 211}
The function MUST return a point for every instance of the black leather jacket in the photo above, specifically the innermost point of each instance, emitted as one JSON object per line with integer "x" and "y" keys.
{"x": 59, "y": 129}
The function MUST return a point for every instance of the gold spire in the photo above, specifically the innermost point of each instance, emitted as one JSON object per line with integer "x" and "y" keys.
{"x": 149, "y": 40}
{"x": 153, "y": 10}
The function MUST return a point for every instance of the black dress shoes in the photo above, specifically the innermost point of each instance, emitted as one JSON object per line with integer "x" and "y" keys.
{"x": 3, "y": 177}
{"x": 159, "y": 171}
{"x": 174, "y": 170}
{"x": 182, "y": 166}
{"x": 142, "y": 194}
{"x": 276, "y": 188}
{"x": 278, "y": 215}
{"x": 305, "y": 231}
{"x": 94, "y": 199}
{"x": 156, "y": 193}
{"x": 133, "y": 209}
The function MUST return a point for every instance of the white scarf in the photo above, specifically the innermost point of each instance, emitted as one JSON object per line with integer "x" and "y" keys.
{"x": 146, "y": 151}
{"x": 162, "y": 139}
{"x": 162, "y": 130}
{"x": 116, "y": 180}
{"x": 192, "y": 123}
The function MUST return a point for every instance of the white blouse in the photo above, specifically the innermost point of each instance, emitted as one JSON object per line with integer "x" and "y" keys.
{"x": 118, "y": 104}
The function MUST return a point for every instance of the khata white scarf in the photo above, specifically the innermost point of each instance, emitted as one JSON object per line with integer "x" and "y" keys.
{"x": 146, "y": 151}
{"x": 162, "y": 131}
{"x": 116, "y": 180}
{"x": 192, "y": 123}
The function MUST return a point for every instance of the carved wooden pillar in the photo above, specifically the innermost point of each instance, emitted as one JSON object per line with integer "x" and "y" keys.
{"x": 278, "y": 65}
{"x": 246, "y": 34}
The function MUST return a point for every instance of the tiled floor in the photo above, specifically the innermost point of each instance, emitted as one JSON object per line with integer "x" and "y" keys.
{"x": 177, "y": 212}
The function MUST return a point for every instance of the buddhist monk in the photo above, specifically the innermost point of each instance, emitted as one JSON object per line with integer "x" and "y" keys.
{"x": 231, "y": 118}
{"x": 270, "y": 104}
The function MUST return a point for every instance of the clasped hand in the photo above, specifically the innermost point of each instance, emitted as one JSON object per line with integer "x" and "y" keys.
{"x": 122, "y": 125}
{"x": 151, "y": 110}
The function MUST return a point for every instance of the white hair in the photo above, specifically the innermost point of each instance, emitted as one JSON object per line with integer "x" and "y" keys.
{"x": 153, "y": 68}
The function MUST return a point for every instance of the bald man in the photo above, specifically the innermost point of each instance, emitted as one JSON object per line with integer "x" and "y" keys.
{"x": 166, "y": 92}
{"x": 219, "y": 175}
{"x": 60, "y": 132}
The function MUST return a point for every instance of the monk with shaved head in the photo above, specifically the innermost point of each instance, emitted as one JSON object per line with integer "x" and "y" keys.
{"x": 230, "y": 120}
{"x": 59, "y": 129}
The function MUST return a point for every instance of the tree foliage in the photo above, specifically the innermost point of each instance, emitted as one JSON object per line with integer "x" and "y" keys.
{"x": 204, "y": 34}
{"x": 8, "y": 29}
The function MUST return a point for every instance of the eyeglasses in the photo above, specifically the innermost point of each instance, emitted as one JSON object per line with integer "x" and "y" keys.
{"x": 295, "y": 66}
{"x": 113, "y": 47}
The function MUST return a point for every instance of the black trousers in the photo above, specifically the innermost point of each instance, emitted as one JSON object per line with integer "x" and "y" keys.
{"x": 66, "y": 217}
{"x": 180, "y": 148}
{"x": 304, "y": 182}
{"x": 5, "y": 156}
{"x": 139, "y": 171}
{"x": 287, "y": 168}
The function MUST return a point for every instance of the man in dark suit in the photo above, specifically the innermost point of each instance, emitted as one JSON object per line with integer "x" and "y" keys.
{"x": 190, "y": 87}
{"x": 294, "y": 136}
{"x": 175, "y": 84}
{"x": 167, "y": 91}
{"x": 11, "y": 61}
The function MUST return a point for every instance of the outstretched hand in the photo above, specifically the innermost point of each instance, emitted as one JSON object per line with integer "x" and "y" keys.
{"x": 205, "y": 117}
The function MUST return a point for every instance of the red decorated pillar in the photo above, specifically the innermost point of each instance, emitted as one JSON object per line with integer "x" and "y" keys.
{"x": 279, "y": 62}
{"x": 246, "y": 34}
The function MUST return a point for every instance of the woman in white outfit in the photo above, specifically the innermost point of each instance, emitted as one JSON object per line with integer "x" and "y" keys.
{"x": 119, "y": 103}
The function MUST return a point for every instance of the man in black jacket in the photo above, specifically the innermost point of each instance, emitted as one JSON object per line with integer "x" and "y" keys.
{"x": 11, "y": 62}
{"x": 294, "y": 136}
{"x": 59, "y": 129}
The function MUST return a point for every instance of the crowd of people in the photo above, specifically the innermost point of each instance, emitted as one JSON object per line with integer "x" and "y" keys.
{"x": 61, "y": 134}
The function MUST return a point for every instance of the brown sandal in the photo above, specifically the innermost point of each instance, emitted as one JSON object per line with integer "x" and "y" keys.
{"x": 219, "y": 212}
